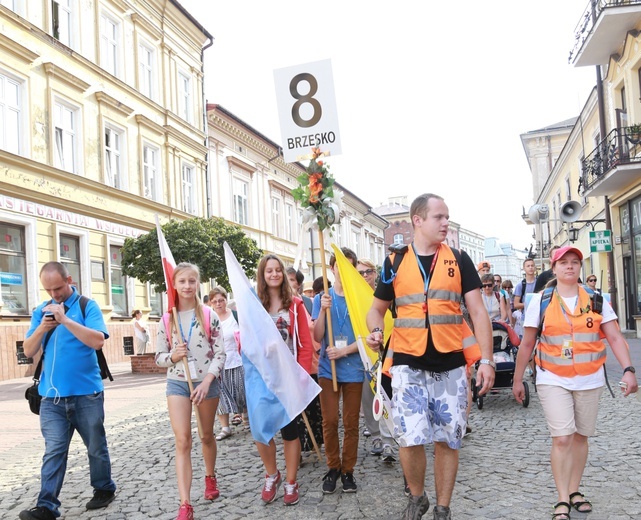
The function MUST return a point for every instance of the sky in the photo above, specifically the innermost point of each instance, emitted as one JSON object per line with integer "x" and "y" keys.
{"x": 431, "y": 97}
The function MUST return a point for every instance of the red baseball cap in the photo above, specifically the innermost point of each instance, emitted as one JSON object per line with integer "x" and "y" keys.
{"x": 562, "y": 251}
{"x": 483, "y": 265}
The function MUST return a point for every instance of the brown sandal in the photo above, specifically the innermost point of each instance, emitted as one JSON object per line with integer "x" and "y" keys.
{"x": 562, "y": 516}
{"x": 580, "y": 503}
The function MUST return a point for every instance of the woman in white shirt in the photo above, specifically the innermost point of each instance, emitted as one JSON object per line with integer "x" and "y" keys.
{"x": 141, "y": 332}
{"x": 570, "y": 377}
{"x": 232, "y": 392}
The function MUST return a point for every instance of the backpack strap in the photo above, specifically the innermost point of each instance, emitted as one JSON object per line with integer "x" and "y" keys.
{"x": 523, "y": 288}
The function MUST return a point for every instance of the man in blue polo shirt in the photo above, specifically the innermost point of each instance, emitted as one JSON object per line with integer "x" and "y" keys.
{"x": 71, "y": 389}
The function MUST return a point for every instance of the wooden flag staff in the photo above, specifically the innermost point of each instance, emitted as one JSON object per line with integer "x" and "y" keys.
{"x": 321, "y": 205}
{"x": 328, "y": 311}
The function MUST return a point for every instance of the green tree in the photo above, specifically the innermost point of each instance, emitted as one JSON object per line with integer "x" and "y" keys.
{"x": 197, "y": 240}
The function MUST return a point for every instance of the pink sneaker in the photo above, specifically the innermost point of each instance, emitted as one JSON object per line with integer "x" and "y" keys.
{"x": 291, "y": 493}
{"x": 211, "y": 488}
{"x": 270, "y": 488}
{"x": 186, "y": 512}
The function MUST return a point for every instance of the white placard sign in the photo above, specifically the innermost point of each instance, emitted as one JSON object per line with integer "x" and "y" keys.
{"x": 307, "y": 109}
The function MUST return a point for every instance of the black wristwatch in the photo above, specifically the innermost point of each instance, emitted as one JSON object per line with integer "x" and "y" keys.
{"x": 630, "y": 369}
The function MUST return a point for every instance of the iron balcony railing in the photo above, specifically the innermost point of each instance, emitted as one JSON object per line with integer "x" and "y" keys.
{"x": 589, "y": 18}
{"x": 621, "y": 146}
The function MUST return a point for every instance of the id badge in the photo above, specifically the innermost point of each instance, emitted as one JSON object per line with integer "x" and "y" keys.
{"x": 340, "y": 341}
{"x": 191, "y": 362}
{"x": 566, "y": 350}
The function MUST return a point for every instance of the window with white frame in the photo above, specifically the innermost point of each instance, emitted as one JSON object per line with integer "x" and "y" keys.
{"x": 113, "y": 157}
{"x": 61, "y": 20}
{"x": 150, "y": 157}
{"x": 240, "y": 194}
{"x": 568, "y": 189}
{"x": 65, "y": 135}
{"x": 290, "y": 233}
{"x": 184, "y": 96}
{"x": 70, "y": 258}
{"x": 398, "y": 238}
{"x": 155, "y": 301}
{"x": 276, "y": 216}
{"x": 146, "y": 61}
{"x": 109, "y": 44}
{"x": 10, "y": 114}
{"x": 118, "y": 282}
{"x": 189, "y": 188}
{"x": 13, "y": 269}
{"x": 356, "y": 239}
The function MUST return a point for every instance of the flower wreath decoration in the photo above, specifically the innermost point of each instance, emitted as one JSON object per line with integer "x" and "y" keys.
{"x": 321, "y": 202}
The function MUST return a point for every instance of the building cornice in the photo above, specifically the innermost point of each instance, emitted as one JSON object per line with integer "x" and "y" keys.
{"x": 65, "y": 76}
{"x": 14, "y": 48}
{"x": 105, "y": 98}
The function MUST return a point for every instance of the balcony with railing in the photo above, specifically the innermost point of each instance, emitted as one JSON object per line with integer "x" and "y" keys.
{"x": 602, "y": 29}
{"x": 613, "y": 165}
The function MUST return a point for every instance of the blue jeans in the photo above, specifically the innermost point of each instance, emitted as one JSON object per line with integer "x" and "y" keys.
{"x": 58, "y": 421}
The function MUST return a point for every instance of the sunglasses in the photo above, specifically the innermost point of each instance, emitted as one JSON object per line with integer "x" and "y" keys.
{"x": 591, "y": 279}
{"x": 367, "y": 271}
{"x": 488, "y": 285}
{"x": 497, "y": 280}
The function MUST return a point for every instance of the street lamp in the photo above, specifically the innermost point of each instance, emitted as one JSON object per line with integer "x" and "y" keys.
{"x": 573, "y": 234}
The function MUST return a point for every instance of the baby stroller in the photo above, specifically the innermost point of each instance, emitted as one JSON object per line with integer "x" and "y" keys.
{"x": 506, "y": 343}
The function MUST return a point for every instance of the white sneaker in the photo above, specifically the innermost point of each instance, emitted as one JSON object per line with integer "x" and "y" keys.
{"x": 388, "y": 454}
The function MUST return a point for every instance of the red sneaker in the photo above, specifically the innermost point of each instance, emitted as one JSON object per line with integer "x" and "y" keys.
{"x": 291, "y": 493}
{"x": 211, "y": 488}
{"x": 270, "y": 488}
{"x": 186, "y": 512}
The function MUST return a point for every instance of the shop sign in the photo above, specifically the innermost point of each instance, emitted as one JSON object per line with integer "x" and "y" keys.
{"x": 601, "y": 241}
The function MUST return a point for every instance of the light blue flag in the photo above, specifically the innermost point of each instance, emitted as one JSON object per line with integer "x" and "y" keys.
{"x": 277, "y": 388}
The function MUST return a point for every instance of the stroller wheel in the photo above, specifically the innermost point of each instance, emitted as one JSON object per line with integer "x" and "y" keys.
{"x": 526, "y": 399}
{"x": 474, "y": 389}
{"x": 479, "y": 402}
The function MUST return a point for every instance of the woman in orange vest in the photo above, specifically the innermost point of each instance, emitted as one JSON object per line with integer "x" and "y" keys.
{"x": 570, "y": 379}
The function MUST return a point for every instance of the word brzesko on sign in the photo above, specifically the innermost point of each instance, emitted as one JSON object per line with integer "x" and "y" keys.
{"x": 307, "y": 109}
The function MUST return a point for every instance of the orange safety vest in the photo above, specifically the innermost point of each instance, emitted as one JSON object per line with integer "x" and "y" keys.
{"x": 583, "y": 331}
{"x": 450, "y": 332}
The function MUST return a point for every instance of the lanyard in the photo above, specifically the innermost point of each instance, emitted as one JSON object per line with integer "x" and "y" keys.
{"x": 340, "y": 323}
{"x": 426, "y": 277}
{"x": 191, "y": 328}
{"x": 566, "y": 312}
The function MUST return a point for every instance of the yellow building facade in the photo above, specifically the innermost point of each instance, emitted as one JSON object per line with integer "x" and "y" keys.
{"x": 598, "y": 163}
{"x": 101, "y": 128}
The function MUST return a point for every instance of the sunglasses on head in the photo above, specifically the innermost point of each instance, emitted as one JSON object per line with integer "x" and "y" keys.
{"x": 488, "y": 285}
{"x": 367, "y": 271}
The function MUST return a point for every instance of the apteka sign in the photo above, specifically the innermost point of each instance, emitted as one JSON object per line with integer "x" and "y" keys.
{"x": 307, "y": 109}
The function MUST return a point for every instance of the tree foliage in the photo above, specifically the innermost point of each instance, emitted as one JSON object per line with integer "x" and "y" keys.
{"x": 197, "y": 240}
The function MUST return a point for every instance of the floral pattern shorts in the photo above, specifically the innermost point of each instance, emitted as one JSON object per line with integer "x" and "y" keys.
{"x": 429, "y": 407}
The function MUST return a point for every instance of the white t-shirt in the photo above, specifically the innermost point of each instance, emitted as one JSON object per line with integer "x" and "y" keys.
{"x": 228, "y": 327}
{"x": 142, "y": 336}
{"x": 545, "y": 377}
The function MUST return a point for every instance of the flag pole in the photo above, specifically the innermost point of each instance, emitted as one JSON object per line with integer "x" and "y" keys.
{"x": 174, "y": 313}
{"x": 311, "y": 435}
{"x": 328, "y": 313}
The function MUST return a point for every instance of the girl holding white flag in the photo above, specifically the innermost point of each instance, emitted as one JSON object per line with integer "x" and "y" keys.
{"x": 290, "y": 318}
{"x": 198, "y": 339}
